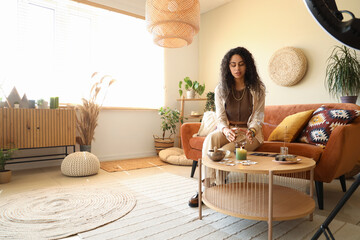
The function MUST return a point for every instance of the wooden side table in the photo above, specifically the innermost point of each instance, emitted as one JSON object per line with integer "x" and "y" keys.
{"x": 266, "y": 191}
{"x": 182, "y": 110}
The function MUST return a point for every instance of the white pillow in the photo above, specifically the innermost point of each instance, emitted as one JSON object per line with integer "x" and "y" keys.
{"x": 175, "y": 156}
{"x": 208, "y": 124}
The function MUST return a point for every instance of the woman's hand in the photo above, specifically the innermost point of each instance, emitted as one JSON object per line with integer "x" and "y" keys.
{"x": 250, "y": 134}
{"x": 229, "y": 134}
{"x": 232, "y": 134}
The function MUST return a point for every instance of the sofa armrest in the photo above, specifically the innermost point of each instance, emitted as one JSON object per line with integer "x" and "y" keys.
{"x": 341, "y": 154}
{"x": 187, "y": 130}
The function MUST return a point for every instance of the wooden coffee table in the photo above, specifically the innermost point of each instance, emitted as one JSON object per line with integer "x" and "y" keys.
{"x": 267, "y": 191}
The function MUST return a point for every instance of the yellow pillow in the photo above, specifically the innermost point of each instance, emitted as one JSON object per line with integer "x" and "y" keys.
{"x": 291, "y": 127}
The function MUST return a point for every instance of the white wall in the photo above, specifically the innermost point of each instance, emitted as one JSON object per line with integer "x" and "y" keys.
{"x": 263, "y": 27}
{"x": 129, "y": 134}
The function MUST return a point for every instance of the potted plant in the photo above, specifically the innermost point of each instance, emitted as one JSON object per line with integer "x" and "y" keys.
{"x": 169, "y": 120}
{"x": 42, "y": 104}
{"x": 88, "y": 112}
{"x": 191, "y": 88}
{"x": 16, "y": 105}
{"x": 5, "y": 155}
{"x": 343, "y": 74}
{"x": 210, "y": 102}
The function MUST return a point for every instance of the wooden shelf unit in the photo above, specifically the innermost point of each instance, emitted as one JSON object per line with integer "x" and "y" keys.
{"x": 37, "y": 128}
{"x": 182, "y": 110}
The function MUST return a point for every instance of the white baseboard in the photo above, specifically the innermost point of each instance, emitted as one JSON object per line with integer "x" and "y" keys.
{"x": 124, "y": 156}
{"x": 102, "y": 158}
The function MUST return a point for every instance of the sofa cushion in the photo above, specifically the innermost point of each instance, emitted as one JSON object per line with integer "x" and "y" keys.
{"x": 323, "y": 122}
{"x": 303, "y": 149}
{"x": 291, "y": 127}
{"x": 196, "y": 143}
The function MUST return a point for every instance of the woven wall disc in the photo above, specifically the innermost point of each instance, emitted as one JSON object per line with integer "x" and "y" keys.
{"x": 287, "y": 66}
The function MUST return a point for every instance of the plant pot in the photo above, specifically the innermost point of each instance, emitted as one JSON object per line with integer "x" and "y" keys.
{"x": 348, "y": 99}
{"x": 44, "y": 105}
{"x": 31, "y": 103}
{"x": 5, "y": 176}
{"x": 85, "y": 148}
{"x": 190, "y": 94}
{"x": 161, "y": 144}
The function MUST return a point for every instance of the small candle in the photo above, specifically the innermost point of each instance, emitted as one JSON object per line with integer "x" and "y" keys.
{"x": 241, "y": 154}
{"x": 56, "y": 102}
{"x": 52, "y": 103}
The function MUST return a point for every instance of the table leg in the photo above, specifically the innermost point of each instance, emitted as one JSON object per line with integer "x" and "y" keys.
{"x": 270, "y": 213}
{"x": 311, "y": 190}
{"x": 200, "y": 189}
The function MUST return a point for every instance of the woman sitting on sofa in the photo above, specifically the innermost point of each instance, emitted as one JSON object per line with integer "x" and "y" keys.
{"x": 239, "y": 101}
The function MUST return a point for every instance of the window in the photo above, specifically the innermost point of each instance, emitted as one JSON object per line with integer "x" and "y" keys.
{"x": 52, "y": 47}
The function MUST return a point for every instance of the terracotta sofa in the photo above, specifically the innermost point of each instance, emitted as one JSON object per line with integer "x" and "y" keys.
{"x": 341, "y": 155}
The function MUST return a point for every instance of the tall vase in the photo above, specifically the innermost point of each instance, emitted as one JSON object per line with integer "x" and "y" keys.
{"x": 85, "y": 148}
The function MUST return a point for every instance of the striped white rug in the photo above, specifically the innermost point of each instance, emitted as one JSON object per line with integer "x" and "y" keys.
{"x": 162, "y": 213}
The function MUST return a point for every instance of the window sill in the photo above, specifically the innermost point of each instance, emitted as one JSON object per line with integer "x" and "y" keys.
{"x": 71, "y": 105}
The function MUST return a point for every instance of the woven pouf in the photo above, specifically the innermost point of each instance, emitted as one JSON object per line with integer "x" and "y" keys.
{"x": 79, "y": 164}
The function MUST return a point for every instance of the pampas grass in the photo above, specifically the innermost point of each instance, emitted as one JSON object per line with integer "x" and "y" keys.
{"x": 88, "y": 112}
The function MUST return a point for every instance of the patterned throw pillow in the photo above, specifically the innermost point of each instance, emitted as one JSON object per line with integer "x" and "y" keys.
{"x": 323, "y": 121}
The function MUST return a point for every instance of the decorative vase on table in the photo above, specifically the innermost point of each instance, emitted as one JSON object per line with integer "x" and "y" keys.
{"x": 85, "y": 148}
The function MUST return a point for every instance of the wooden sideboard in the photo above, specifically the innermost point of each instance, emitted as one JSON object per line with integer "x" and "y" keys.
{"x": 37, "y": 128}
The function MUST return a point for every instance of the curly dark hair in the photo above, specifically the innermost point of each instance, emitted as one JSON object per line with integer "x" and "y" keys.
{"x": 252, "y": 79}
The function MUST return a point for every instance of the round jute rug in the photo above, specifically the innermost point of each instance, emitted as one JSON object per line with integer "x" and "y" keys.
{"x": 54, "y": 213}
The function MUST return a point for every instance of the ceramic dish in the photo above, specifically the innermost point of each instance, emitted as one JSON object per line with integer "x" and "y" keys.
{"x": 287, "y": 162}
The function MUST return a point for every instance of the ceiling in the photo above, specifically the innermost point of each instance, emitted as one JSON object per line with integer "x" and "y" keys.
{"x": 138, "y": 6}
{"x": 207, "y": 5}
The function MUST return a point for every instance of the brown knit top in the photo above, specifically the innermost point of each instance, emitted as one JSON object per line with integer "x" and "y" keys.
{"x": 239, "y": 106}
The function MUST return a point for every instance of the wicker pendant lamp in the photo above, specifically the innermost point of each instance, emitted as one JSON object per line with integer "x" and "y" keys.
{"x": 173, "y": 23}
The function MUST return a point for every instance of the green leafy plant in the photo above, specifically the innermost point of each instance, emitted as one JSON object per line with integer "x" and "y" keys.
{"x": 169, "y": 120}
{"x": 40, "y": 102}
{"x": 195, "y": 85}
{"x": 343, "y": 72}
{"x": 5, "y": 155}
{"x": 210, "y": 102}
